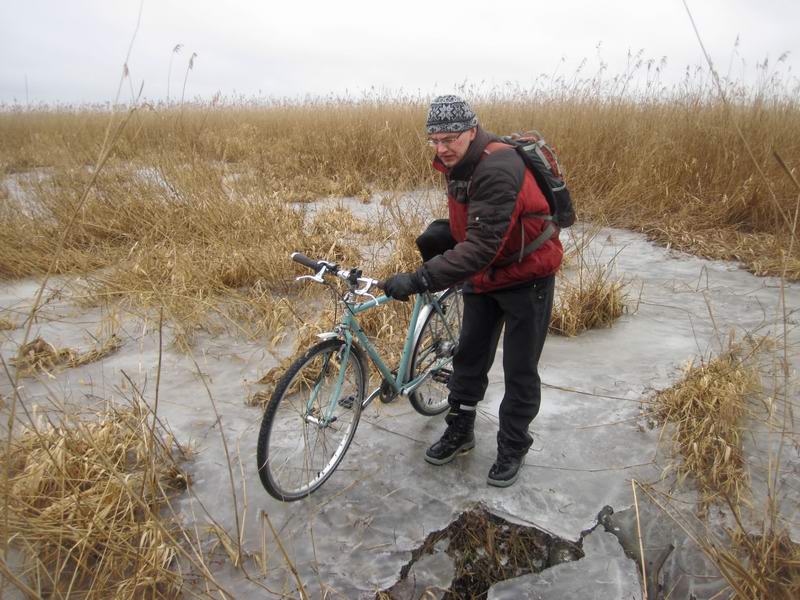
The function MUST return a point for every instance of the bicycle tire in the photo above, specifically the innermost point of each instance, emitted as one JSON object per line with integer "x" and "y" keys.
{"x": 294, "y": 453}
{"x": 434, "y": 342}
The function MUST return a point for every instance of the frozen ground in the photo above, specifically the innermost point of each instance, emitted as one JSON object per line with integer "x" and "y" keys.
{"x": 352, "y": 537}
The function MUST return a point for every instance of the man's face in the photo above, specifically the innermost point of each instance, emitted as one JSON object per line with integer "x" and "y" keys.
{"x": 451, "y": 147}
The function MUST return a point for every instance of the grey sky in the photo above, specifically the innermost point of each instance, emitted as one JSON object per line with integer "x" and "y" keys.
{"x": 73, "y": 51}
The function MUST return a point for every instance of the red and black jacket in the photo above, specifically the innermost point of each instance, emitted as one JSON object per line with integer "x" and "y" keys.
{"x": 493, "y": 201}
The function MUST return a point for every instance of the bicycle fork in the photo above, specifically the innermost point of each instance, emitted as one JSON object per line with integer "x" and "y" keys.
{"x": 328, "y": 418}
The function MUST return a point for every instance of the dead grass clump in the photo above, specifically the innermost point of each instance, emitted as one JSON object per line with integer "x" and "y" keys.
{"x": 596, "y": 300}
{"x": 42, "y": 357}
{"x": 404, "y": 255}
{"x": 111, "y": 345}
{"x": 228, "y": 266}
{"x": 261, "y": 397}
{"x": 83, "y": 505}
{"x": 306, "y": 336}
{"x": 7, "y": 324}
{"x": 706, "y": 408}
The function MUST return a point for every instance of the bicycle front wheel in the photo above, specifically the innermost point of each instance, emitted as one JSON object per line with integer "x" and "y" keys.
{"x": 436, "y": 343}
{"x": 308, "y": 426}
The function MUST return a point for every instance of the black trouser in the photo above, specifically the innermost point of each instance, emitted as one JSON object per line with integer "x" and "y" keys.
{"x": 525, "y": 312}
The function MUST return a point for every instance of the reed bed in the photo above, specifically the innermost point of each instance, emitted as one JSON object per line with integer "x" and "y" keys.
{"x": 668, "y": 164}
{"x": 200, "y": 204}
{"x": 83, "y": 505}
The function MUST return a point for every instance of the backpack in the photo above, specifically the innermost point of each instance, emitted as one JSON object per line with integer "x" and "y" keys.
{"x": 541, "y": 160}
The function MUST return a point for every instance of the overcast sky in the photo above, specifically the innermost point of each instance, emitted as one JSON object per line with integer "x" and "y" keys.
{"x": 74, "y": 51}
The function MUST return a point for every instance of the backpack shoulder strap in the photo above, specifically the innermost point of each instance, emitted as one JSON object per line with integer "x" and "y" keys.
{"x": 549, "y": 231}
{"x": 493, "y": 147}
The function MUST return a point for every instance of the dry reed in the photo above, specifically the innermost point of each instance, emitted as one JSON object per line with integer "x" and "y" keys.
{"x": 386, "y": 327}
{"x": 84, "y": 502}
{"x": 758, "y": 562}
{"x": 763, "y": 566}
{"x": 596, "y": 300}
{"x": 40, "y": 356}
{"x": 193, "y": 211}
{"x": 676, "y": 171}
{"x": 707, "y": 408}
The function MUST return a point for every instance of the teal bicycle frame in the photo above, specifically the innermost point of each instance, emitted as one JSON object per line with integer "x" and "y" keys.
{"x": 349, "y": 329}
{"x": 313, "y": 412}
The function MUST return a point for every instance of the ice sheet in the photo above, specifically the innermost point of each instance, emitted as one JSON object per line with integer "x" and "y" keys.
{"x": 352, "y": 537}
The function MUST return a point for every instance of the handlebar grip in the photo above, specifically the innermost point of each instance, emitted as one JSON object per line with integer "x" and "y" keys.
{"x": 305, "y": 261}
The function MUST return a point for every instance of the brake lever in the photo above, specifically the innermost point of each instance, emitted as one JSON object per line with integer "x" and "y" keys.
{"x": 316, "y": 277}
{"x": 364, "y": 291}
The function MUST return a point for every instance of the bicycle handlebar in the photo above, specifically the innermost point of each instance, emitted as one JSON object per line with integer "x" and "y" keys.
{"x": 352, "y": 276}
{"x": 307, "y": 262}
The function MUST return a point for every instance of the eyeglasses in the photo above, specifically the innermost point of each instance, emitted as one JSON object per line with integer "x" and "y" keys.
{"x": 446, "y": 141}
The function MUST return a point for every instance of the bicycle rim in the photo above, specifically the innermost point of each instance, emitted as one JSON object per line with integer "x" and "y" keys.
{"x": 306, "y": 430}
{"x": 437, "y": 340}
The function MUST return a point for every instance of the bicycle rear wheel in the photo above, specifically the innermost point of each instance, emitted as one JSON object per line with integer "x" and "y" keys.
{"x": 306, "y": 430}
{"x": 437, "y": 339}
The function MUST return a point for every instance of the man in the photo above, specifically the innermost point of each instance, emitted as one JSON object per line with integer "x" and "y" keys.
{"x": 505, "y": 255}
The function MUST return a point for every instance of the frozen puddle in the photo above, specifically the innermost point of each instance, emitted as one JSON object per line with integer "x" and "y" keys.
{"x": 370, "y": 523}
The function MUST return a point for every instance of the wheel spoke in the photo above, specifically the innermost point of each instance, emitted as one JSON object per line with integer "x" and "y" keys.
{"x": 433, "y": 353}
{"x": 297, "y": 448}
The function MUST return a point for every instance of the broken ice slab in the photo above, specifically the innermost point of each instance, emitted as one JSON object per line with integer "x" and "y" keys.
{"x": 605, "y": 576}
{"x": 428, "y": 578}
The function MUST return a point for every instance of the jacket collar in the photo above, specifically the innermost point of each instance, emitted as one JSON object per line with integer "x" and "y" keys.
{"x": 463, "y": 169}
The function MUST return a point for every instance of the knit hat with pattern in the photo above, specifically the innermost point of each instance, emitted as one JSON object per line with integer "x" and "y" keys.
{"x": 450, "y": 114}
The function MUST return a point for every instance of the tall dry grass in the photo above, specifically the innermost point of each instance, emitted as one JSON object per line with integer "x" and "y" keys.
{"x": 200, "y": 205}
{"x": 666, "y": 163}
{"x": 84, "y": 509}
{"x": 194, "y": 209}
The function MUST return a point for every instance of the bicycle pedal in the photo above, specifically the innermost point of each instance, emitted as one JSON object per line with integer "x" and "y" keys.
{"x": 347, "y": 402}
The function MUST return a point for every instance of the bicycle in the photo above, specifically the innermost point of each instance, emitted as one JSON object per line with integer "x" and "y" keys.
{"x": 316, "y": 405}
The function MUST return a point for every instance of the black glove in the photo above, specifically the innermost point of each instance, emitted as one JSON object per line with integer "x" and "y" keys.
{"x": 402, "y": 285}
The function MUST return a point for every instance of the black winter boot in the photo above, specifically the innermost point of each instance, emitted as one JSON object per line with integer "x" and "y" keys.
{"x": 457, "y": 439}
{"x": 505, "y": 470}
